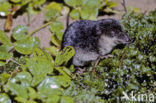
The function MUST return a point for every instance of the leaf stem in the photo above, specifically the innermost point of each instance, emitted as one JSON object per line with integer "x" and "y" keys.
{"x": 124, "y": 5}
{"x": 43, "y": 26}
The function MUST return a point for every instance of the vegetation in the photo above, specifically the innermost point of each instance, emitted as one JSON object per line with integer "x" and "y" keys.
{"x": 31, "y": 74}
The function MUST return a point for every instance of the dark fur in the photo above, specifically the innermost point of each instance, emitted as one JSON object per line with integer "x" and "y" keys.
{"x": 85, "y": 34}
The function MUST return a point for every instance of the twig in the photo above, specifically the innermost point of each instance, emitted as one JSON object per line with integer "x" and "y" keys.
{"x": 10, "y": 59}
{"x": 11, "y": 49}
{"x": 124, "y": 5}
{"x": 99, "y": 58}
{"x": 122, "y": 58}
{"x": 43, "y": 26}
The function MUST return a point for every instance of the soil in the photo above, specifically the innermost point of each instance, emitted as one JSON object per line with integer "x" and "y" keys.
{"x": 45, "y": 35}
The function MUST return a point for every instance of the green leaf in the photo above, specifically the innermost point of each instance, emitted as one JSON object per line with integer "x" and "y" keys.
{"x": 27, "y": 45}
{"x": 64, "y": 81}
{"x": 51, "y": 14}
{"x": 19, "y": 84}
{"x": 39, "y": 66}
{"x": 5, "y": 56}
{"x": 4, "y": 8}
{"x": 31, "y": 101}
{"x": 53, "y": 99}
{"x": 57, "y": 28}
{"x": 20, "y": 32}
{"x": 152, "y": 58}
{"x": 4, "y": 48}
{"x": 4, "y": 38}
{"x": 89, "y": 15}
{"x": 66, "y": 99}
{"x": 133, "y": 9}
{"x": 15, "y": 1}
{"x": 25, "y": 78}
{"x": 24, "y": 2}
{"x": 111, "y": 4}
{"x": 50, "y": 86}
{"x": 54, "y": 5}
{"x": 4, "y": 98}
{"x": 55, "y": 41}
{"x": 21, "y": 99}
{"x": 5, "y": 77}
{"x": 89, "y": 9}
{"x": 32, "y": 93}
{"x": 65, "y": 74}
{"x": 17, "y": 89}
{"x": 37, "y": 3}
{"x": 2, "y": 63}
{"x": 53, "y": 50}
{"x": 71, "y": 2}
{"x": 75, "y": 14}
{"x": 67, "y": 53}
{"x": 4, "y": 52}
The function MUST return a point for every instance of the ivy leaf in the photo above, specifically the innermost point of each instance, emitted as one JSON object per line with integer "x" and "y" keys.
{"x": 4, "y": 98}
{"x": 27, "y": 45}
{"x": 4, "y": 8}
{"x": 20, "y": 32}
{"x": 65, "y": 55}
{"x": 4, "y": 38}
{"x": 75, "y": 14}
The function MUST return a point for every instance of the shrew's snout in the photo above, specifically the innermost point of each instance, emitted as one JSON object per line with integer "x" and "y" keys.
{"x": 127, "y": 39}
{"x": 124, "y": 39}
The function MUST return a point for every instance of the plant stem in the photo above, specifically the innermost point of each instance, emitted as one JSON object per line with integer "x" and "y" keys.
{"x": 43, "y": 26}
{"x": 124, "y": 5}
{"x": 121, "y": 60}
